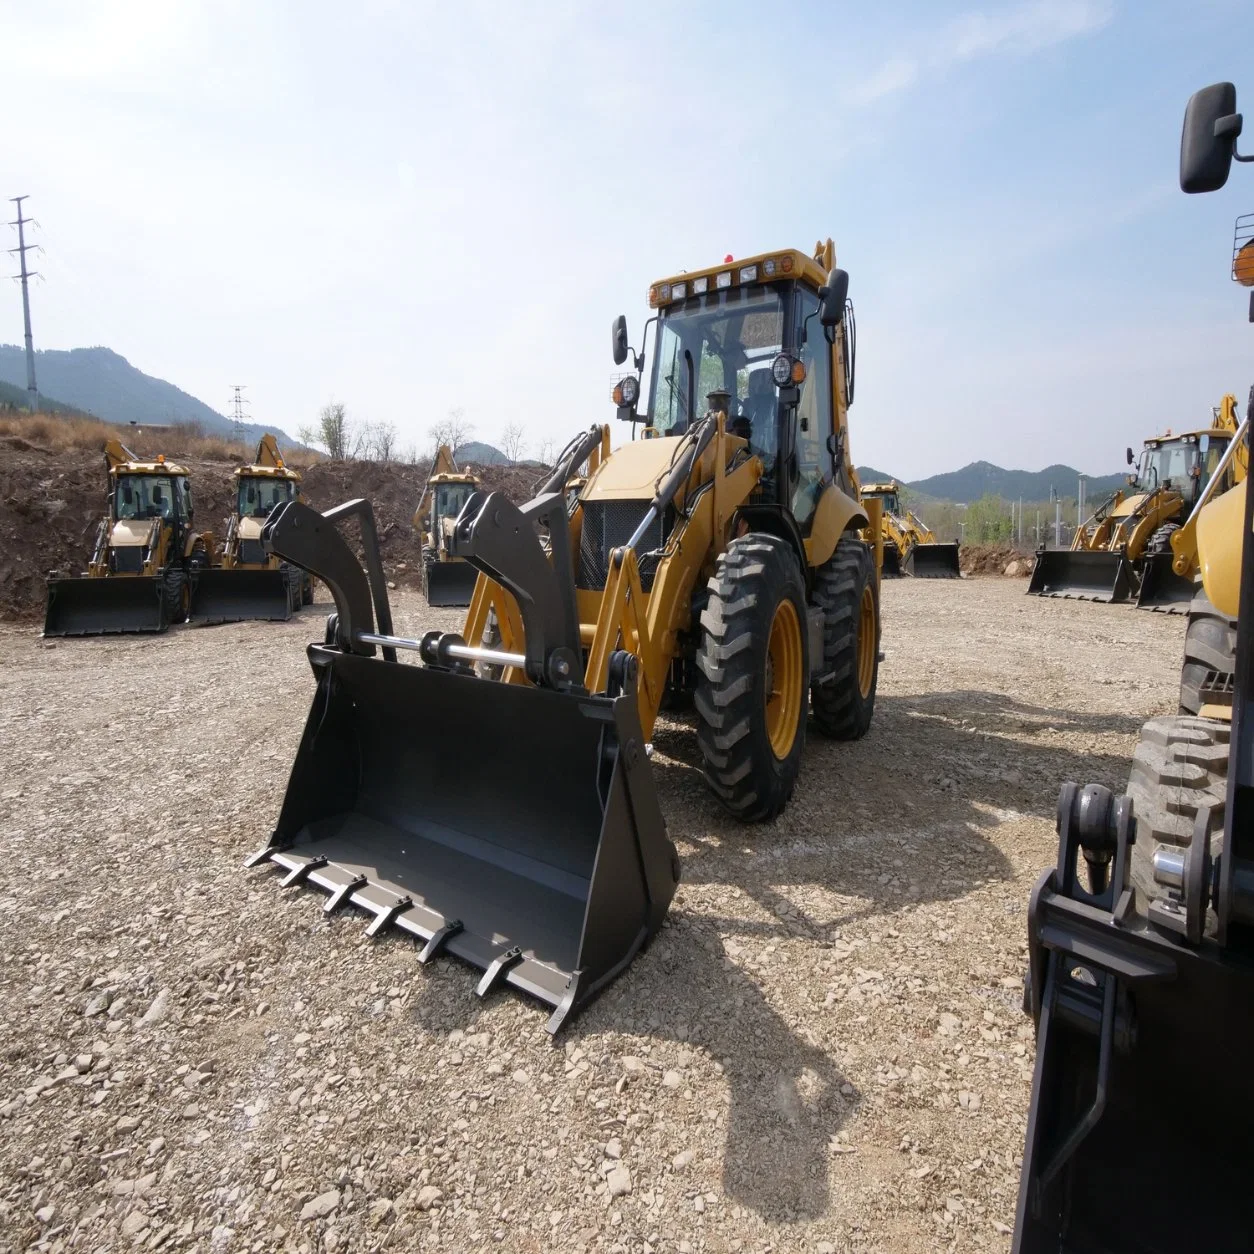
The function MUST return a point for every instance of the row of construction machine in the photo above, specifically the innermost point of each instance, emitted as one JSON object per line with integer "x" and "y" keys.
{"x": 497, "y": 801}
{"x": 150, "y": 568}
{"x": 910, "y": 545}
{"x": 1141, "y": 938}
{"x": 446, "y": 578}
{"x": 1140, "y": 542}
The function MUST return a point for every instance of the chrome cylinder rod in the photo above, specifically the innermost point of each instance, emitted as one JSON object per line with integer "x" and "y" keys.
{"x": 462, "y": 652}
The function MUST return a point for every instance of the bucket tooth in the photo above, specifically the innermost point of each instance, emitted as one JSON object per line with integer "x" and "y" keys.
{"x": 387, "y": 916}
{"x": 341, "y": 894}
{"x": 299, "y": 874}
{"x": 264, "y": 854}
{"x": 439, "y": 938}
{"x": 498, "y": 969}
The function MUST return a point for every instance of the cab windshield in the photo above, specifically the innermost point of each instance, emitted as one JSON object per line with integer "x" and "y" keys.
{"x": 891, "y": 505}
{"x": 724, "y": 340}
{"x": 259, "y": 496}
{"x": 144, "y": 496}
{"x": 450, "y": 497}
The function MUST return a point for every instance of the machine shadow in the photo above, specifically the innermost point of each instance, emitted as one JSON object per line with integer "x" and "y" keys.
{"x": 787, "y": 1098}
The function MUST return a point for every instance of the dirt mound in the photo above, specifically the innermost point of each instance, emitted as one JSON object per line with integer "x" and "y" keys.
{"x": 992, "y": 559}
{"x": 51, "y": 503}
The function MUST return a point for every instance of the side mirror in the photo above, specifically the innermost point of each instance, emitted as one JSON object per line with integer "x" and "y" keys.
{"x": 621, "y": 347}
{"x": 1211, "y": 127}
{"x": 1130, "y": 458}
{"x": 832, "y": 298}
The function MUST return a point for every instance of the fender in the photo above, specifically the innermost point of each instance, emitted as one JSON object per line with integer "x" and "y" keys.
{"x": 835, "y": 514}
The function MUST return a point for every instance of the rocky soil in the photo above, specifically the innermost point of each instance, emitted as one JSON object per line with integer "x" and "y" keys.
{"x": 823, "y": 1051}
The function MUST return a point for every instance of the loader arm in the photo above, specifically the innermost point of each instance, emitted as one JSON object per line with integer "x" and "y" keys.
{"x": 268, "y": 452}
{"x": 1161, "y": 506}
{"x": 117, "y": 454}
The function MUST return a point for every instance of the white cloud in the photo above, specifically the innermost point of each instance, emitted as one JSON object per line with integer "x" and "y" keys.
{"x": 1016, "y": 30}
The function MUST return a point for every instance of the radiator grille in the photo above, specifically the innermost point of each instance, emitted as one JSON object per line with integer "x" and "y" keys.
{"x": 128, "y": 560}
{"x": 606, "y": 526}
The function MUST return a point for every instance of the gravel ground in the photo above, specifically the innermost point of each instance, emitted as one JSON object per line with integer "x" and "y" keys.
{"x": 822, "y": 1051}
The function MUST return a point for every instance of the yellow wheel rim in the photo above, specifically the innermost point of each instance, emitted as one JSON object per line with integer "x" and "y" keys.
{"x": 784, "y": 680}
{"x": 866, "y": 642}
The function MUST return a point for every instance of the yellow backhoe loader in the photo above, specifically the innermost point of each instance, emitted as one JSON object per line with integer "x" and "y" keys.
{"x": 514, "y": 820}
{"x": 1107, "y": 555}
{"x": 246, "y": 582}
{"x": 447, "y": 580}
{"x": 145, "y": 555}
{"x": 910, "y": 546}
{"x": 1141, "y": 934}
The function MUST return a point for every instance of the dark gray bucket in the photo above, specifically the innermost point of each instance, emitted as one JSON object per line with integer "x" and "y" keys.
{"x": 231, "y": 595}
{"x": 107, "y": 605}
{"x": 1081, "y": 575}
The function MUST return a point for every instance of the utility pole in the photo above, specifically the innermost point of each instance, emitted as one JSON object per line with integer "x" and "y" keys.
{"x": 1079, "y": 504}
{"x": 26, "y": 275}
{"x": 1021, "y": 520}
{"x": 1053, "y": 493}
{"x": 238, "y": 415}
{"x": 1038, "y": 528}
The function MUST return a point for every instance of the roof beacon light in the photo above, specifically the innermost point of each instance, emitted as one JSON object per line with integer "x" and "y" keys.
{"x": 728, "y": 259}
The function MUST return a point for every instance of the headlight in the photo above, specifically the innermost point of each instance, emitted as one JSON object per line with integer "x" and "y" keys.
{"x": 629, "y": 391}
{"x": 781, "y": 370}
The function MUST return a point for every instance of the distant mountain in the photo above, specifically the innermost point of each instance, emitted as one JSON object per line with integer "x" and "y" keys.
{"x": 984, "y": 479}
{"x": 16, "y": 396}
{"x": 100, "y": 382}
{"x": 481, "y": 454}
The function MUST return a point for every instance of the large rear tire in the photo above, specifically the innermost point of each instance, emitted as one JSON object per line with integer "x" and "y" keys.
{"x": 753, "y": 669}
{"x": 1179, "y": 768}
{"x": 1160, "y": 541}
{"x": 845, "y": 590}
{"x": 1210, "y": 644}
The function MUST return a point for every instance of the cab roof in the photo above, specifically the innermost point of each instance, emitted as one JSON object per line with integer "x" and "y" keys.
{"x": 880, "y": 489}
{"x": 255, "y": 471}
{"x": 772, "y": 267}
{"x": 159, "y": 467}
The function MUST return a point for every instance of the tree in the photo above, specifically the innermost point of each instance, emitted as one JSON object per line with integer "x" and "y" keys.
{"x": 379, "y": 441}
{"x": 988, "y": 521}
{"x": 512, "y": 440}
{"x": 453, "y": 430}
{"x": 307, "y": 435}
{"x": 335, "y": 431}
{"x": 545, "y": 451}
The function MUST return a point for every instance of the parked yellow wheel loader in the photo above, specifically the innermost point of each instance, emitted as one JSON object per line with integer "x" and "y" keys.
{"x": 447, "y": 580}
{"x": 1172, "y": 478}
{"x": 246, "y": 582}
{"x": 145, "y": 555}
{"x": 910, "y": 546}
{"x": 1141, "y": 939}
{"x": 497, "y": 800}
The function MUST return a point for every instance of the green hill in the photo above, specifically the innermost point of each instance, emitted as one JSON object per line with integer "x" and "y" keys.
{"x": 984, "y": 479}
{"x": 13, "y": 396}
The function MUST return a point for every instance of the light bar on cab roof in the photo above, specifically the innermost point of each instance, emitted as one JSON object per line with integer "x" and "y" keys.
{"x": 770, "y": 268}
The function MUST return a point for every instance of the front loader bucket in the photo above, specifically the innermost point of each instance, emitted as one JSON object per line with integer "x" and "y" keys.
{"x": 1161, "y": 588}
{"x": 515, "y": 827}
{"x": 1082, "y": 575}
{"x": 232, "y": 595}
{"x": 104, "y": 606}
{"x": 933, "y": 561}
{"x": 450, "y": 583}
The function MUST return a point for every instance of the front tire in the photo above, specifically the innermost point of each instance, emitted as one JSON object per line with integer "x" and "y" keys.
{"x": 176, "y": 594}
{"x": 846, "y": 591}
{"x": 1210, "y": 644}
{"x": 753, "y": 669}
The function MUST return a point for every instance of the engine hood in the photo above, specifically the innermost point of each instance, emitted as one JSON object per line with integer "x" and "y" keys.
{"x": 250, "y": 528}
{"x": 130, "y": 532}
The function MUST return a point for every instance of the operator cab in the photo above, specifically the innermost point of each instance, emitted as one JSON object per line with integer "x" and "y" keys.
{"x": 140, "y": 496}
{"x": 261, "y": 495}
{"x": 450, "y": 497}
{"x": 1181, "y": 464}
{"x": 763, "y": 338}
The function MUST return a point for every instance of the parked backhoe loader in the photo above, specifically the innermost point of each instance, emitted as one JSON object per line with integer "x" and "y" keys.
{"x": 514, "y": 819}
{"x": 1107, "y": 556}
{"x": 246, "y": 582}
{"x": 447, "y": 580}
{"x": 910, "y": 546}
{"x": 1141, "y": 939}
{"x": 145, "y": 554}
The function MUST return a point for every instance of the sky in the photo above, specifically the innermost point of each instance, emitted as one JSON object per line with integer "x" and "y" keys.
{"x": 410, "y": 208}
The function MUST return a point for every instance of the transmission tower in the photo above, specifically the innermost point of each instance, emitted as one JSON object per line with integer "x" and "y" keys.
{"x": 237, "y": 414}
{"x": 26, "y": 275}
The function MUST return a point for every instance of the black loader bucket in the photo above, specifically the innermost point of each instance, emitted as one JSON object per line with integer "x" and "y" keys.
{"x": 933, "y": 561}
{"x": 104, "y": 606}
{"x": 1082, "y": 575}
{"x": 516, "y": 827}
{"x": 450, "y": 583}
{"x": 1161, "y": 588}
{"x": 892, "y": 562}
{"x": 231, "y": 595}
{"x": 1143, "y": 1096}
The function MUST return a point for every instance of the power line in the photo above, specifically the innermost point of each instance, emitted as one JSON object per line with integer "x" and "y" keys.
{"x": 26, "y": 275}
